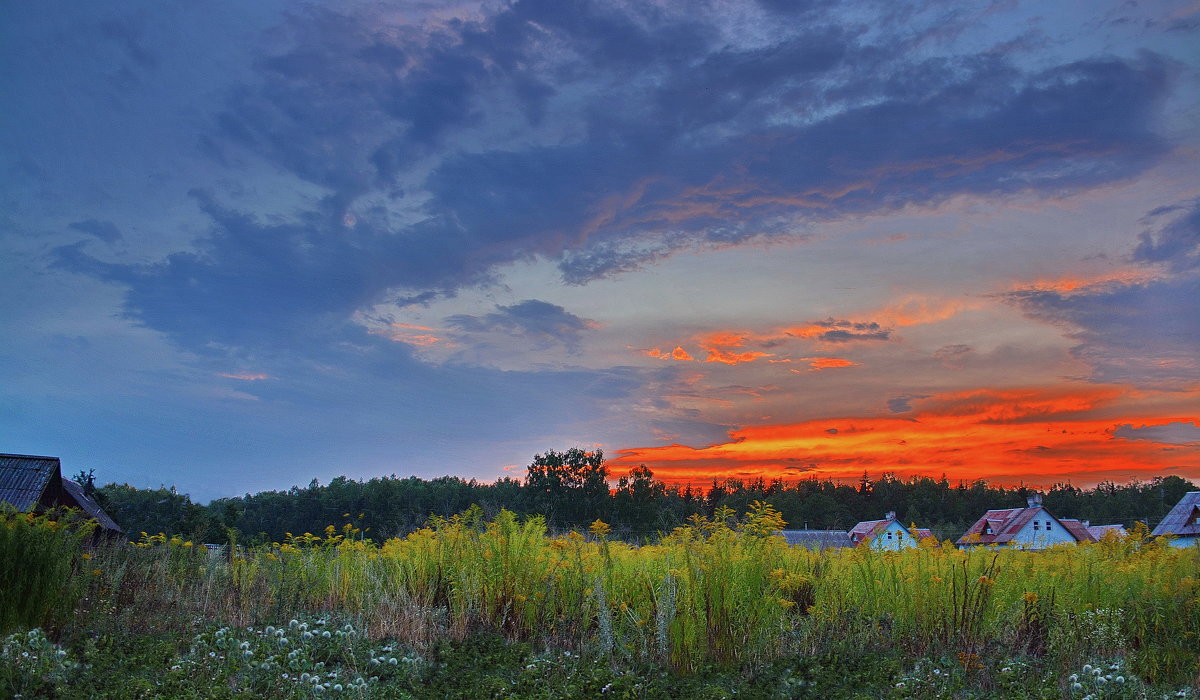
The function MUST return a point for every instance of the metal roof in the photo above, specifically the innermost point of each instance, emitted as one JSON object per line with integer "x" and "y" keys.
{"x": 1182, "y": 518}
{"x": 817, "y": 539}
{"x": 1081, "y": 532}
{"x": 23, "y": 478}
{"x": 89, "y": 506}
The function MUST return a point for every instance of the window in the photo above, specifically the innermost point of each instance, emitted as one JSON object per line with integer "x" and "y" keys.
{"x": 1035, "y": 525}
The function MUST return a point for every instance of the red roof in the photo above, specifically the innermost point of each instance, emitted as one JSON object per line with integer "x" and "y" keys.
{"x": 1078, "y": 529}
{"x": 1006, "y": 523}
{"x": 867, "y": 529}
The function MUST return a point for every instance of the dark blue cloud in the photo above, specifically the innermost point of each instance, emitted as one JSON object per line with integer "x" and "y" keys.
{"x": 1144, "y": 334}
{"x": 843, "y": 331}
{"x": 1175, "y": 243}
{"x": 106, "y": 231}
{"x": 903, "y": 404}
{"x": 604, "y": 138}
{"x": 540, "y": 322}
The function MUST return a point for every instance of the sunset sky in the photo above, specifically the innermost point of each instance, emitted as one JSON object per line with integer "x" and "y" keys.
{"x": 246, "y": 244}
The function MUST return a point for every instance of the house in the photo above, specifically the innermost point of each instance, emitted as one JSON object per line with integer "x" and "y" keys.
{"x": 817, "y": 539}
{"x": 885, "y": 534}
{"x": 1032, "y": 527}
{"x": 1183, "y": 522}
{"x": 29, "y": 482}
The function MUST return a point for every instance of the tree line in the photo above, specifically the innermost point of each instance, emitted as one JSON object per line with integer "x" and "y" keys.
{"x": 574, "y": 488}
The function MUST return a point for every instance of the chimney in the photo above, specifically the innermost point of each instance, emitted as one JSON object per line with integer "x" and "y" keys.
{"x": 1034, "y": 500}
{"x": 891, "y": 515}
{"x": 1087, "y": 523}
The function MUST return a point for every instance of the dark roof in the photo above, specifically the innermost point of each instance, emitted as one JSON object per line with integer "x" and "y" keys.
{"x": 23, "y": 478}
{"x": 817, "y": 539}
{"x": 89, "y": 506}
{"x": 27, "y": 481}
{"x": 1182, "y": 518}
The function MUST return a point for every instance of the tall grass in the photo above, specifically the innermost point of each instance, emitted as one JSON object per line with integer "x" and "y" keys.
{"x": 716, "y": 591}
{"x": 39, "y": 557}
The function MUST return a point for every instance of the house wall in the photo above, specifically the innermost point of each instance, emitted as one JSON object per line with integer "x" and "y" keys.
{"x": 1184, "y": 541}
{"x": 900, "y": 538}
{"x": 1041, "y": 532}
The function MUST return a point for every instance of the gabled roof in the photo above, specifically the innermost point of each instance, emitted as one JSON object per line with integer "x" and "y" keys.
{"x": 23, "y": 478}
{"x": 29, "y": 480}
{"x": 89, "y": 506}
{"x": 923, "y": 532}
{"x": 1181, "y": 519}
{"x": 1078, "y": 529}
{"x": 1006, "y": 523}
{"x": 866, "y": 530}
{"x": 817, "y": 539}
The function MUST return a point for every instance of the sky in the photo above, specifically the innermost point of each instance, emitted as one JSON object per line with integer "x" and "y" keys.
{"x": 248, "y": 244}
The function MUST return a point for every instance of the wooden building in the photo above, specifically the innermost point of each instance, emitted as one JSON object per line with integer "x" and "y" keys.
{"x": 30, "y": 482}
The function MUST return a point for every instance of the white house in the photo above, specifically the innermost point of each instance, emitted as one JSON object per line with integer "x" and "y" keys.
{"x": 1183, "y": 522}
{"x": 884, "y": 534}
{"x": 1032, "y": 527}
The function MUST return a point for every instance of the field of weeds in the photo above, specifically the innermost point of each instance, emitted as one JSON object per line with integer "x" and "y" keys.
{"x": 473, "y": 608}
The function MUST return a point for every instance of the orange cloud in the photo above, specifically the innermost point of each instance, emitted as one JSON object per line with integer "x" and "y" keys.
{"x": 819, "y": 363}
{"x": 677, "y": 354}
{"x": 1032, "y": 435}
{"x": 721, "y": 347}
{"x": 411, "y": 334}
{"x": 1072, "y": 283}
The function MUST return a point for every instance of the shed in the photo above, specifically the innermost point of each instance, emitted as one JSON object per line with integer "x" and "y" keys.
{"x": 31, "y": 482}
{"x": 1032, "y": 527}
{"x": 817, "y": 539}
{"x": 1183, "y": 522}
{"x": 1098, "y": 532}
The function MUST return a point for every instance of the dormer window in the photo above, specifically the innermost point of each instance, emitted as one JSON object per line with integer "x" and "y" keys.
{"x": 987, "y": 529}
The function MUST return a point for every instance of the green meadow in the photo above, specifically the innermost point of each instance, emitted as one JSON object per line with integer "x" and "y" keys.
{"x": 473, "y": 608}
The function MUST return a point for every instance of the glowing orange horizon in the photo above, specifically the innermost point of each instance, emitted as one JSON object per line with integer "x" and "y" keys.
{"x": 1003, "y": 436}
